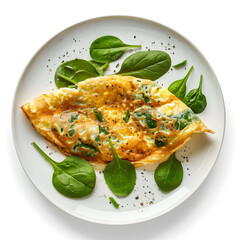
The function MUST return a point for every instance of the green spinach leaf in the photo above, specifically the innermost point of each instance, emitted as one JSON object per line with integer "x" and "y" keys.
{"x": 178, "y": 88}
{"x": 169, "y": 174}
{"x": 195, "y": 99}
{"x": 108, "y": 49}
{"x": 93, "y": 150}
{"x": 151, "y": 123}
{"x": 184, "y": 118}
{"x": 74, "y": 71}
{"x": 73, "y": 177}
{"x": 120, "y": 175}
{"x": 100, "y": 67}
{"x": 146, "y": 64}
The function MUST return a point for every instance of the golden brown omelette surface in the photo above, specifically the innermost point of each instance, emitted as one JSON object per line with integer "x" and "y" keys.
{"x": 159, "y": 122}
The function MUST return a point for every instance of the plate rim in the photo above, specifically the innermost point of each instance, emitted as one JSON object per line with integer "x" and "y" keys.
{"x": 152, "y": 216}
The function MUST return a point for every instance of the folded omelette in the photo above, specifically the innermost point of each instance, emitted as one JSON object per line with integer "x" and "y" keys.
{"x": 145, "y": 122}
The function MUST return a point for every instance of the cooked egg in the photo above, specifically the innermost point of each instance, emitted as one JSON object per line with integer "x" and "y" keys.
{"x": 159, "y": 122}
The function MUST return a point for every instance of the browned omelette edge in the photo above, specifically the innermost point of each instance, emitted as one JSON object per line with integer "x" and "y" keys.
{"x": 139, "y": 164}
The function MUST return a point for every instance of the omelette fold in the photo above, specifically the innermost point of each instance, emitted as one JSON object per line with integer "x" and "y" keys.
{"x": 145, "y": 122}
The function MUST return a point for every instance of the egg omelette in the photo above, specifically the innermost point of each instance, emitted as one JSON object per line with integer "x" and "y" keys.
{"x": 146, "y": 122}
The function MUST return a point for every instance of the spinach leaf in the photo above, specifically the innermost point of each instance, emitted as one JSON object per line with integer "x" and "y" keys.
{"x": 151, "y": 123}
{"x": 73, "y": 177}
{"x": 169, "y": 174}
{"x": 178, "y": 88}
{"x": 146, "y": 64}
{"x": 99, "y": 116}
{"x": 195, "y": 99}
{"x": 108, "y": 49}
{"x": 127, "y": 116}
{"x": 100, "y": 67}
{"x": 93, "y": 149}
{"x": 184, "y": 119}
{"x": 113, "y": 201}
{"x": 74, "y": 71}
{"x": 120, "y": 175}
{"x": 181, "y": 64}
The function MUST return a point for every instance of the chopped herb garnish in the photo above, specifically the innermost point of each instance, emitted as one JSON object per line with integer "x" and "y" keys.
{"x": 159, "y": 143}
{"x": 86, "y": 153}
{"x": 113, "y": 201}
{"x": 97, "y": 139}
{"x": 59, "y": 128}
{"x": 163, "y": 127}
{"x": 73, "y": 118}
{"x": 71, "y": 132}
{"x": 99, "y": 116}
{"x": 148, "y": 119}
{"x": 151, "y": 123}
{"x": 103, "y": 130}
{"x": 146, "y": 99}
{"x": 127, "y": 116}
{"x": 181, "y": 64}
{"x": 75, "y": 146}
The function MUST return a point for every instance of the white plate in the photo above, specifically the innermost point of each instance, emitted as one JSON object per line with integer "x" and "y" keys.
{"x": 146, "y": 201}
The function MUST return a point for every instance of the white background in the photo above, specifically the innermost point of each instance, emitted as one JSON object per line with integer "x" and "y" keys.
{"x": 212, "y": 212}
